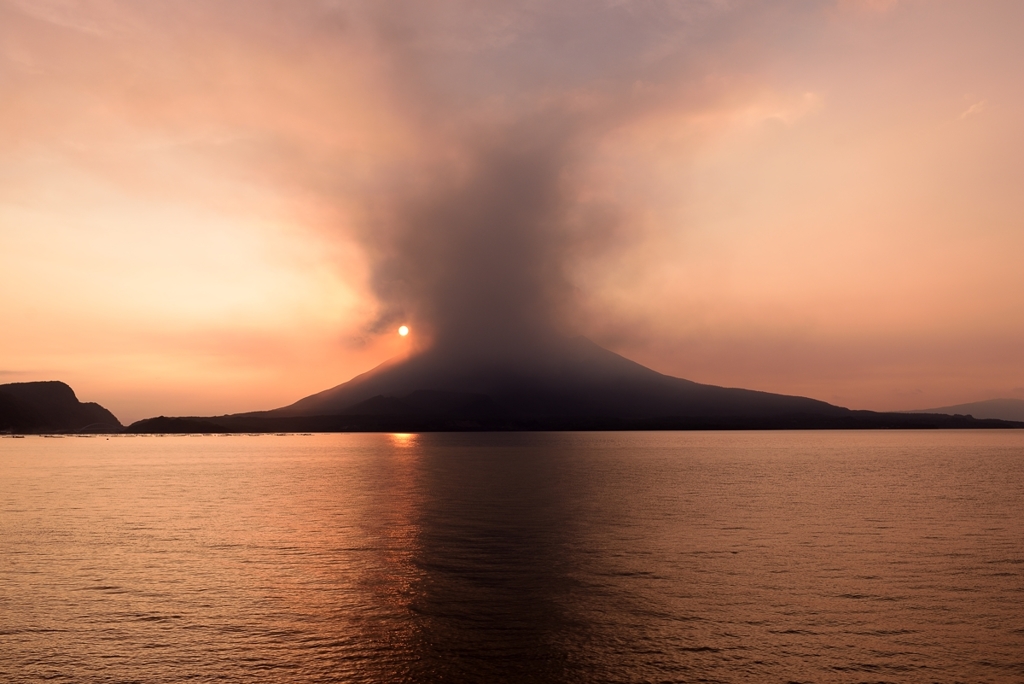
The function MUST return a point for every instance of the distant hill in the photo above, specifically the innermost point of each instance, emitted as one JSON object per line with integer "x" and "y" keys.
{"x": 27, "y": 407}
{"x": 1001, "y": 409}
{"x": 569, "y": 384}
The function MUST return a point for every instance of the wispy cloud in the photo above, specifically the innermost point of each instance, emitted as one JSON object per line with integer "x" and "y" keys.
{"x": 974, "y": 109}
{"x": 875, "y": 6}
{"x": 93, "y": 17}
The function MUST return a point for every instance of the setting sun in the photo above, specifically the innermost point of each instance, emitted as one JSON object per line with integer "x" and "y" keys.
{"x": 403, "y": 331}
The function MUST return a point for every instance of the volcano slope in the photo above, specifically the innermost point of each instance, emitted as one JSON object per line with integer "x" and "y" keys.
{"x": 568, "y": 384}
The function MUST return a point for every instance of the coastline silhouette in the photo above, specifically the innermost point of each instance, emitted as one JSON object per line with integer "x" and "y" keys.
{"x": 561, "y": 384}
{"x": 51, "y": 406}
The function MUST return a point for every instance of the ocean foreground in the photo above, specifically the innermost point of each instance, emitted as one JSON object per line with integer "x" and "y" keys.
{"x": 557, "y": 557}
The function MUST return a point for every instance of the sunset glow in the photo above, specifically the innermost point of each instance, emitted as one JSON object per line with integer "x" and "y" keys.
{"x": 817, "y": 198}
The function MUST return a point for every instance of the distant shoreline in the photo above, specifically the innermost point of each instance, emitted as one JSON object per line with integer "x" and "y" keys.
{"x": 856, "y": 420}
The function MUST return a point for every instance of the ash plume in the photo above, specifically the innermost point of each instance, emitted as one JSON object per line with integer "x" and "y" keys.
{"x": 474, "y": 248}
{"x": 476, "y": 259}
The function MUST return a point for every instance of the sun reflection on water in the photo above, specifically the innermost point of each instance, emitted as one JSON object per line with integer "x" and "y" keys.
{"x": 403, "y": 439}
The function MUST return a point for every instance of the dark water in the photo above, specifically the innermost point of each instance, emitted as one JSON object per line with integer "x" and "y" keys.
{"x": 629, "y": 557}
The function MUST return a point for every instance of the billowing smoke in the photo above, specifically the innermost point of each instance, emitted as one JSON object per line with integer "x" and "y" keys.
{"x": 699, "y": 184}
{"x": 455, "y": 140}
{"x": 474, "y": 246}
{"x": 475, "y": 258}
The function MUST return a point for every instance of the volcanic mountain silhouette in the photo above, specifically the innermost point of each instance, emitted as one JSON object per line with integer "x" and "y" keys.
{"x": 563, "y": 384}
{"x": 572, "y": 378}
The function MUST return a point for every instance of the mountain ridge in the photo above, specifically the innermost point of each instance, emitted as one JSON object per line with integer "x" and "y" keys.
{"x": 999, "y": 409}
{"x": 51, "y": 406}
{"x": 573, "y": 377}
{"x": 568, "y": 384}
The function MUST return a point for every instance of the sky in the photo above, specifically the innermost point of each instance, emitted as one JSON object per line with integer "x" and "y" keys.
{"x": 219, "y": 206}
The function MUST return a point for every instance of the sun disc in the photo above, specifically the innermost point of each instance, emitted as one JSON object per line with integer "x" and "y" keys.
{"x": 403, "y": 331}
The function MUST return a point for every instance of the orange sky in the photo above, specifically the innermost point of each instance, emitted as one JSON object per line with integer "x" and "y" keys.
{"x": 820, "y": 198}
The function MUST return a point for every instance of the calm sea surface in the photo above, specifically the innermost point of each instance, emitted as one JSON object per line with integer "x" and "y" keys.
{"x": 547, "y": 557}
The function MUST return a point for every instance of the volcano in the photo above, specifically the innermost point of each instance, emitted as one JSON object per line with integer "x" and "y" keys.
{"x": 565, "y": 384}
{"x": 570, "y": 379}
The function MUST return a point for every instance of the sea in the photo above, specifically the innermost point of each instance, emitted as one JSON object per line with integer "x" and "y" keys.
{"x": 868, "y": 556}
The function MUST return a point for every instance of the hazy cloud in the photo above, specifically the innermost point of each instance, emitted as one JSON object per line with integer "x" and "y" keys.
{"x": 512, "y": 101}
{"x": 976, "y": 108}
{"x": 749, "y": 192}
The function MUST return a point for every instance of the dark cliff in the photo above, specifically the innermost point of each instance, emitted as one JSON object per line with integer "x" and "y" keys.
{"x": 52, "y": 406}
